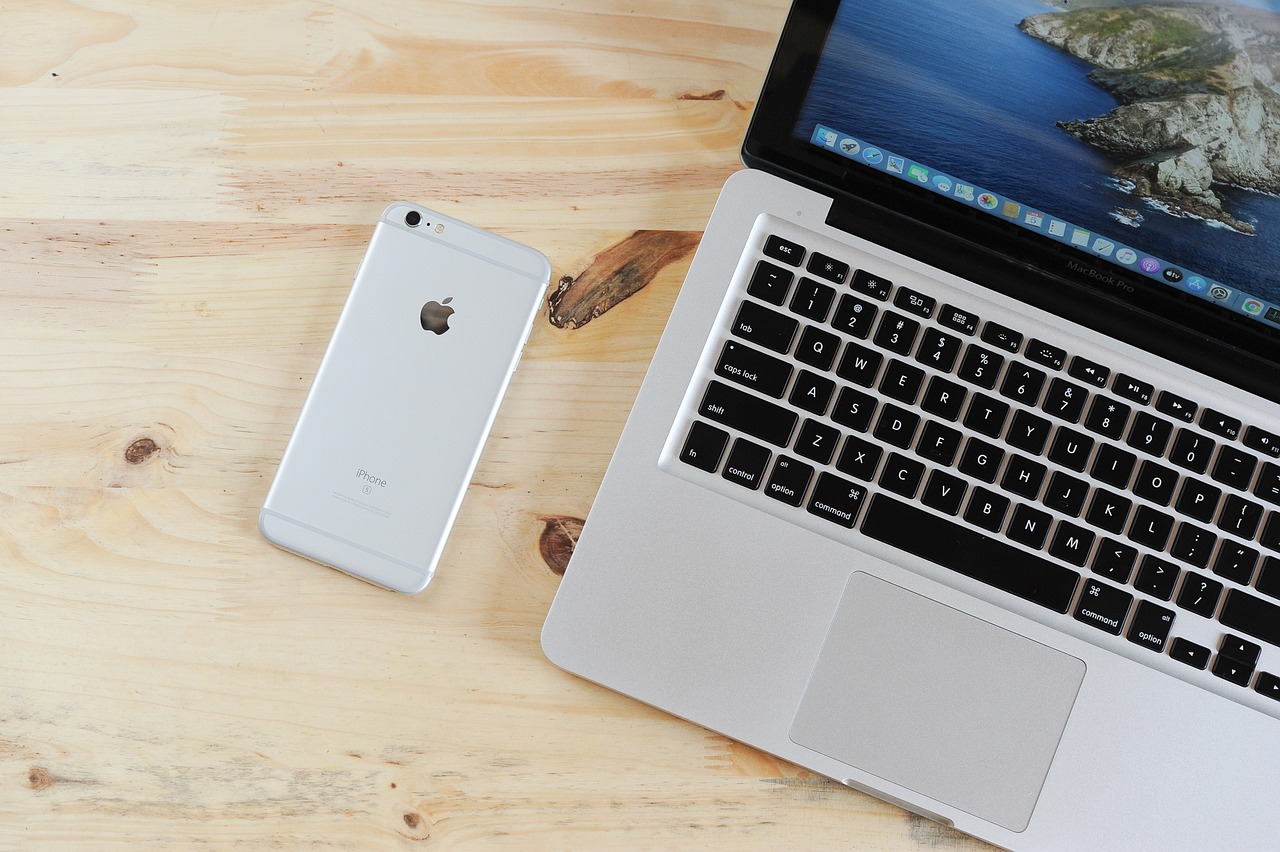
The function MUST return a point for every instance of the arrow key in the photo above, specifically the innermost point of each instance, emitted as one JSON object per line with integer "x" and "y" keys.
{"x": 1233, "y": 671}
{"x": 1268, "y": 685}
{"x": 1241, "y": 650}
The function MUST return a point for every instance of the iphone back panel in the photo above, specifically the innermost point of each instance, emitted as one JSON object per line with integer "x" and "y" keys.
{"x": 403, "y": 400}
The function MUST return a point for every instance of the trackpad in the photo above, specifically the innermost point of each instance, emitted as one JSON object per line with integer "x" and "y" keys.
{"x": 937, "y": 701}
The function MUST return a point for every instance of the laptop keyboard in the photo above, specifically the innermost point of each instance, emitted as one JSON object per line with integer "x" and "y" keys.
{"x": 997, "y": 454}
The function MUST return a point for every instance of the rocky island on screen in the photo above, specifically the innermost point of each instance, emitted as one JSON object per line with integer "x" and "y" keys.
{"x": 1198, "y": 87}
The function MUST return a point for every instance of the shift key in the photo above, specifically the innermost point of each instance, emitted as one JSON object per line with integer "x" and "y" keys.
{"x": 740, "y": 410}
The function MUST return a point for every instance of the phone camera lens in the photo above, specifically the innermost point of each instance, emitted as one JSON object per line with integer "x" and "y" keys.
{"x": 412, "y": 218}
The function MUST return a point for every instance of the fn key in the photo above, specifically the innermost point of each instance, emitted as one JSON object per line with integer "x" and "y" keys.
{"x": 704, "y": 446}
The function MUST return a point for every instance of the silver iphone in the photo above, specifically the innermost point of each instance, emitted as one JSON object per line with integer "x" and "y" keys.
{"x": 390, "y": 434}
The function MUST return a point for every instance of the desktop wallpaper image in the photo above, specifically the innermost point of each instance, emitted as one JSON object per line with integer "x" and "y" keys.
{"x": 1157, "y": 124}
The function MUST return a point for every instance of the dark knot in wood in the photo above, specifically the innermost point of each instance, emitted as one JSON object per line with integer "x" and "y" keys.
{"x": 559, "y": 535}
{"x": 141, "y": 450}
{"x": 616, "y": 273}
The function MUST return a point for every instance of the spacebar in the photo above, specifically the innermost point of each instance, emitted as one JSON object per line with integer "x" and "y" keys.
{"x": 970, "y": 553}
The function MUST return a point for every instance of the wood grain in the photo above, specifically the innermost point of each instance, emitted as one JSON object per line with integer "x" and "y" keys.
{"x": 185, "y": 192}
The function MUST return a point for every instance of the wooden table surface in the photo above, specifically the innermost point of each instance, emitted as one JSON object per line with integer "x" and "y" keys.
{"x": 185, "y": 192}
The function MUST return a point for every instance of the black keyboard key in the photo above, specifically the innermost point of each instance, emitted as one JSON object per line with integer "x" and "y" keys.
{"x": 943, "y": 398}
{"x": 1186, "y": 651}
{"x": 1065, "y": 400}
{"x": 1270, "y": 537}
{"x": 1023, "y": 477}
{"x": 896, "y": 333}
{"x": 1192, "y": 451}
{"x": 838, "y": 500}
{"x": 746, "y": 464}
{"x": 970, "y": 553}
{"x": 1114, "y": 560}
{"x": 704, "y": 446}
{"x": 944, "y": 492}
{"x": 1251, "y": 615}
{"x": 1103, "y": 606}
{"x": 1150, "y": 626}
{"x": 1156, "y": 577}
{"x": 1071, "y": 543}
{"x": 872, "y": 285}
{"x": 811, "y": 392}
{"x": 1089, "y": 372}
{"x": 1268, "y": 485}
{"x": 902, "y": 381}
{"x": 1113, "y": 466}
{"x": 953, "y": 318}
{"x": 859, "y": 458}
{"x": 1193, "y": 545}
{"x": 1071, "y": 449}
{"x": 1046, "y": 355}
{"x": 1235, "y": 562}
{"x": 1199, "y": 594}
{"x": 915, "y": 303}
{"x": 938, "y": 443}
{"x": 817, "y": 348}
{"x": 859, "y": 365}
{"x": 812, "y": 300}
{"x": 1220, "y": 424}
{"x": 828, "y": 267}
{"x": 1177, "y": 407}
{"x": 1001, "y": 337}
{"x": 1234, "y": 468}
{"x": 788, "y": 480}
{"x": 1107, "y": 417}
{"x": 1269, "y": 577}
{"x": 1022, "y": 383}
{"x": 1267, "y": 684}
{"x": 986, "y": 416}
{"x": 939, "y": 350}
{"x": 770, "y": 283}
{"x": 980, "y": 367}
{"x": 1108, "y": 511}
{"x": 765, "y": 327}
{"x": 1028, "y": 432}
{"x": 896, "y": 426}
{"x": 901, "y": 475}
{"x": 1156, "y": 483}
{"x": 1241, "y": 650}
{"x": 1232, "y": 671}
{"x": 1151, "y": 528}
{"x": 1262, "y": 441}
{"x": 1133, "y": 389}
{"x": 747, "y": 413}
{"x": 1240, "y": 517}
{"x": 784, "y": 250}
{"x": 1198, "y": 500}
{"x": 1066, "y": 494}
{"x": 1029, "y": 526}
{"x": 754, "y": 369}
{"x": 854, "y": 316}
{"x": 1150, "y": 434}
{"x": 981, "y": 460}
{"x": 817, "y": 441}
{"x": 854, "y": 409}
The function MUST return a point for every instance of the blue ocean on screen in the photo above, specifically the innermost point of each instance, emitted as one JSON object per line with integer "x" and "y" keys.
{"x": 958, "y": 87}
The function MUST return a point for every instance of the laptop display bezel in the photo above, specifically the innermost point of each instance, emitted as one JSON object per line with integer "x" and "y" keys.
{"x": 1081, "y": 287}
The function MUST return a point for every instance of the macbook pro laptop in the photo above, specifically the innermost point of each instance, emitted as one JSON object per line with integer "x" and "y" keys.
{"x": 956, "y": 474}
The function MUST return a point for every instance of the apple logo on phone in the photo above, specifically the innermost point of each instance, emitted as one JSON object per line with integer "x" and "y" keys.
{"x": 435, "y": 316}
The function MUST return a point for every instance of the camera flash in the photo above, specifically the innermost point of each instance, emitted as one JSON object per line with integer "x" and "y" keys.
{"x": 439, "y": 229}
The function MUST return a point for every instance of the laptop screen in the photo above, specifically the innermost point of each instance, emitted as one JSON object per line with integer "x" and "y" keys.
{"x": 1140, "y": 143}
